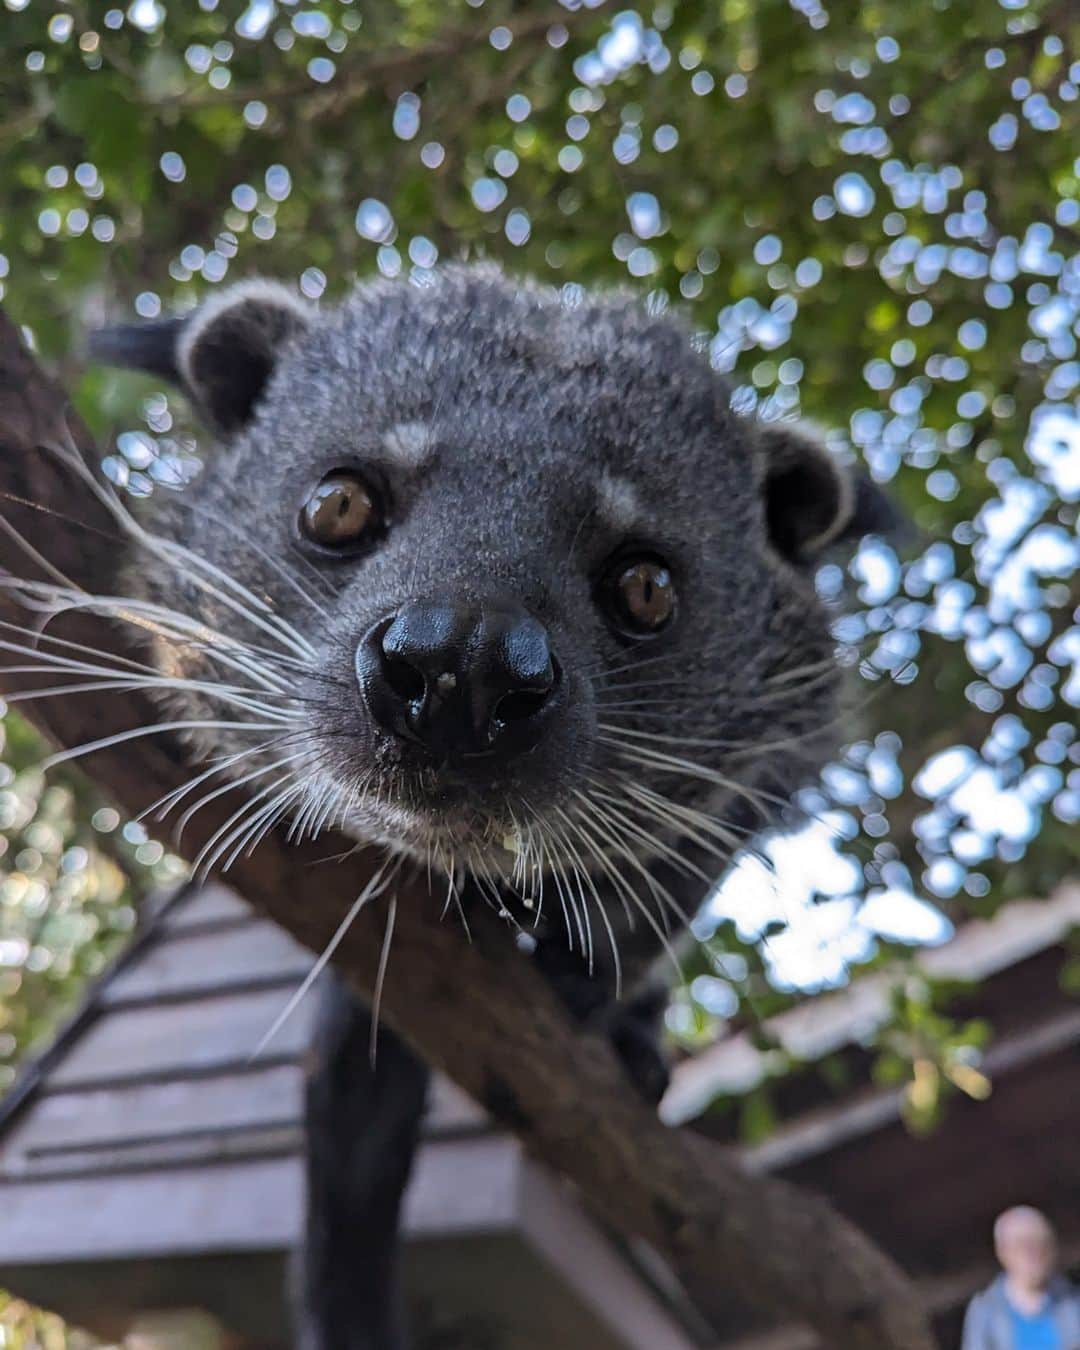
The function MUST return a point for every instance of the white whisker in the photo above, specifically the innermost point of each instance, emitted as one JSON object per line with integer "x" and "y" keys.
{"x": 384, "y": 961}
{"x": 375, "y": 887}
{"x": 88, "y": 747}
{"x": 187, "y": 563}
{"x": 165, "y": 803}
{"x": 624, "y": 888}
{"x": 230, "y": 786}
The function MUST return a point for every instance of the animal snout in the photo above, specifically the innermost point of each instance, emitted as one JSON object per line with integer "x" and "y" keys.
{"x": 461, "y": 679}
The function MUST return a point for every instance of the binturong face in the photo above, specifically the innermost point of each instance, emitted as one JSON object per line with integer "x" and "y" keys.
{"x": 523, "y": 594}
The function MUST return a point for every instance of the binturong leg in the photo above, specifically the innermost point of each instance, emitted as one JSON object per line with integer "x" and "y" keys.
{"x": 363, "y": 1123}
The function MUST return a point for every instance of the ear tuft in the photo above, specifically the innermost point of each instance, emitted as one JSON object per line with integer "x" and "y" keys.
{"x": 812, "y": 501}
{"x": 221, "y": 355}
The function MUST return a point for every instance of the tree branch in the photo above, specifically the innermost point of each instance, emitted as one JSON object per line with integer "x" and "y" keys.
{"x": 477, "y": 1011}
{"x": 393, "y": 68}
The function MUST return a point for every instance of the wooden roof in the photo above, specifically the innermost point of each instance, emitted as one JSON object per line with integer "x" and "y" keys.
{"x": 823, "y": 1024}
{"x": 148, "y": 1161}
{"x": 930, "y": 1202}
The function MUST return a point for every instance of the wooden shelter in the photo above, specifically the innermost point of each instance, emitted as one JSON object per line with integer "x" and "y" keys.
{"x": 149, "y": 1163}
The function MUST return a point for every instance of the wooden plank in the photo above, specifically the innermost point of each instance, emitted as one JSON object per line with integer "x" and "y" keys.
{"x": 586, "y": 1263}
{"x": 462, "y": 1191}
{"x": 464, "y": 1186}
{"x": 495, "y": 1291}
{"x": 826, "y": 1022}
{"x": 174, "y": 1041}
{"x": 459, "y": 1186}
{"x": 130, "y": 1125}
{"x": 831, "y": 1127}
{"x": 450, "y": 1111}
{"x": 63, "y": 1123}
{"x": 194, "y": 963}
{"x": 209, "y": 903}
{"x": 205, "y": 1148}
{"x": 238, "y": 1207}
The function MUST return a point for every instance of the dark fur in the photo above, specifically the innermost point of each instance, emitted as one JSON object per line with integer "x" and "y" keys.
{"x": 547, "y": 434}
{"x": 363, "y": 1123}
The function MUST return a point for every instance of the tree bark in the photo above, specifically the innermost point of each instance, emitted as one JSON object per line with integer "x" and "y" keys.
{"x": 475, "y": 1010}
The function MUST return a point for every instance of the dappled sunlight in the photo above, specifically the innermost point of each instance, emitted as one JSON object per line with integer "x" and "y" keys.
{"x": 803, "y": 900}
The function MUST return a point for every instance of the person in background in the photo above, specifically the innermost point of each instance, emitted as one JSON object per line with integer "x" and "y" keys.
{"x": 1030, "y": 1306}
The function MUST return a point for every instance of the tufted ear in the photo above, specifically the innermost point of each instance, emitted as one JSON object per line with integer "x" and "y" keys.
{"x": 221, "y": 355}
{"x": 812, "y": 501}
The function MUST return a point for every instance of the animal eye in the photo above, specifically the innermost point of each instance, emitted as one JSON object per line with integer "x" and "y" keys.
{"x": 340, "y": 511}
{"x": 641, "y": 596}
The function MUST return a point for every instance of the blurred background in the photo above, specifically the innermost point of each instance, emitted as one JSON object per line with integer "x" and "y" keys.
{"x": 870, "y": 212}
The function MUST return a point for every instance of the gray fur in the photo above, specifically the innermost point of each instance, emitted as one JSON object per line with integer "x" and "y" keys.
{"x": 533, "y": 426}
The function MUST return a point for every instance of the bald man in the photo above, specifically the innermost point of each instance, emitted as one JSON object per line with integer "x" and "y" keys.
{"x": 1029, "y": 1306}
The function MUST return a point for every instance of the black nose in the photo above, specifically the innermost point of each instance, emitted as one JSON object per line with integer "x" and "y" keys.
{"x": 460, "y": 679}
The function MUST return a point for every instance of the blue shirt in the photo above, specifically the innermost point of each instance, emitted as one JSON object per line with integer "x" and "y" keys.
{"x": 1034, "y": 1333}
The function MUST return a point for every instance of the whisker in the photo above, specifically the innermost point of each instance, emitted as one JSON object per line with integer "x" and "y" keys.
{"x": 653, "y": 841}
{"x": 232, "y": 784}
{"x": 375, "y": 887}
{"x": 609, "y": 672}
{"x": 106, "y": 742}
{"x": 316, "y": 802}
{"x": 684, "y": 818}
{"x": 165, "y": 803}
{"x": 560, "y": 879}
{"x": 157, "y": 619}
{"x": 185, "y": 561}
{"x": 584, "y": 879}
{"x": 384, "y": 961}
{"x": 676, "y": 764}
{"x": 624, "y": 887}
{"x": 312, "y": 573}
{"x": 32, "y": 553}
{"x": 706, "y": 742}
{"x": 258, "y": 827}
{"x": 37, "y": 636}
{"x": 234, "y": 698}
{"x": 204, "y": 861}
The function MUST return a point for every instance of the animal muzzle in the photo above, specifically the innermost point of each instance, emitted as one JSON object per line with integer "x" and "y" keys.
{"x": 461, "y": 680}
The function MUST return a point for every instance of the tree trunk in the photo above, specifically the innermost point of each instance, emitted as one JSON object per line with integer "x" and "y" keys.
{"x": 475, "y": 1010}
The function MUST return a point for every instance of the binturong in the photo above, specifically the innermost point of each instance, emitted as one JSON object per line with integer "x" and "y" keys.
{"x": 507, "y": 588}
